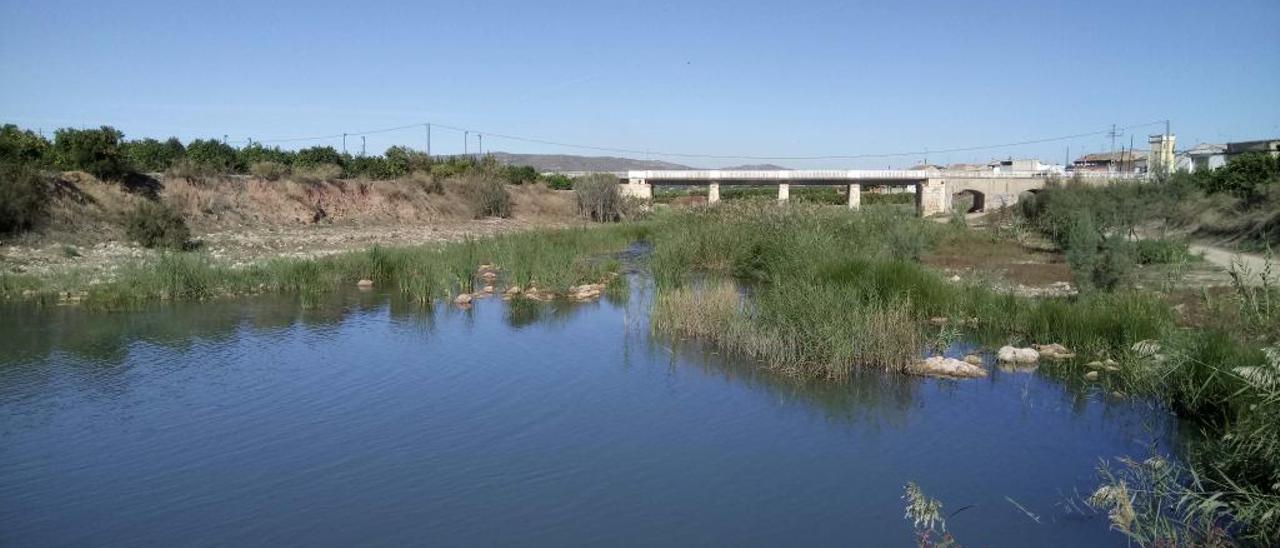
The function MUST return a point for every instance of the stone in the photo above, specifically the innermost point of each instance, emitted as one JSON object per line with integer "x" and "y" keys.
{"x": 973, "y": 359}
{"x": 512, "y": 291}
{"x": 1011, "y": 354}
{"x": 1054, "y": 351}
{"x": 937, "y": 321}
{"x": 585, "y": 292}
{"x": 1091, "y": 376}
{"x": 365, "y": 284}
{"x": 462, "y": 300}
{"x": 939, "y": 366}
{"x": 1146, "y": 349}
{"x": 1106, "y": 365}
{"x": 487, "y": 289}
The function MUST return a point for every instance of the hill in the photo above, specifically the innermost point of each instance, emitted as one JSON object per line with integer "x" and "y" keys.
{"x": 569, "y": 162}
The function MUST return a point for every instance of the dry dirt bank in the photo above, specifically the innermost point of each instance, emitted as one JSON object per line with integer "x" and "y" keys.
{"x": 244, "y": 219}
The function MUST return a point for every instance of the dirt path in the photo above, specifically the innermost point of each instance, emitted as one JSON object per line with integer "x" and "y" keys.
{"x": 1252, "y": 264}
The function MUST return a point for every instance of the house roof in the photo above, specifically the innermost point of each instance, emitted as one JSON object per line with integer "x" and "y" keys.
{"x": 1207, "y": 148}
{"x": 1126, "y": 156}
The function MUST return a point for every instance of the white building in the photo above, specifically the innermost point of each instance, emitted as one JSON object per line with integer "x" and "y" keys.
{"x": 1033, "y": 164}
{"x": 1204, "y": 156}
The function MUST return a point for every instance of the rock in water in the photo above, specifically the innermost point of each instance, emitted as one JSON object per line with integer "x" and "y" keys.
{"x": 973, "y": 359}
{"x": 365, "y": 284}
{"x": 1011, "y": 354}
{"x": 1054, "y": 351}
{"x": 462, "y": 300}
{"x": 939, "y": 366}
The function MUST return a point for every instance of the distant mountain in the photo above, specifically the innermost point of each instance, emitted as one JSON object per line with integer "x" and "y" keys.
{"x": 757, "y": 167}
{"x": 569, "y": 162}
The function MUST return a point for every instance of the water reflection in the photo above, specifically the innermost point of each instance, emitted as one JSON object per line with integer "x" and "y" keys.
{"x": 354, "y": 417}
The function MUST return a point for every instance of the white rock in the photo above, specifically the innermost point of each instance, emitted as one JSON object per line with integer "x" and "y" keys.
{"x": 1010, "y": 354}
{"x": 939, "y": 366}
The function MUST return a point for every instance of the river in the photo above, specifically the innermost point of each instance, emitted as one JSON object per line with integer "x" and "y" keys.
{"x": 367, "y": 420}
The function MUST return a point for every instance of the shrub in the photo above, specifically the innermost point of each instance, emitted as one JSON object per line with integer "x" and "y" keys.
{"x": 1161, "y": 251}
{"x": 599, "y": 198}
{"x": 372, "y": 167}
{"x": 315, "y": 156}
{"x": 214, "y": 156}
{"x": 23, "y": 146}
{"x": 190, "y": 170}
{"x": 486, "y": 194}
{"x": 424, "y": 181}
{"x": 271, "y": 171}
{"x": 96, "y": 151}
{"x": 150, "y": 155}
{"x": 1247, "y": 176}
{"x": 24, "y": 197}
{"x": 321, "y": 173}
{"x": 154, "y": 224}
{"x": 448, "y": 169}
{"x": 555, "y": 181}
{"x": 255, "y": 153}
{"x": 407, "y": 160}
{"x": 519, "y": 175}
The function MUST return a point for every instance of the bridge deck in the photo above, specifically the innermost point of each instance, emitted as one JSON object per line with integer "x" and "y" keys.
{"x": 834, "y": 176}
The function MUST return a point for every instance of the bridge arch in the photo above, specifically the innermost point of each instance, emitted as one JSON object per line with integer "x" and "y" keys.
{"x": 971, "y": 200}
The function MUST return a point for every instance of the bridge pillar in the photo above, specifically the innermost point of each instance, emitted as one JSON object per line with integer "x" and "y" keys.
{"x": 855, "y": 196}
{"x": 784, "y": 192}
{"x": 638, "y": 188}
{"x": 931, "y": 197}
{"x": 713, "y": 193}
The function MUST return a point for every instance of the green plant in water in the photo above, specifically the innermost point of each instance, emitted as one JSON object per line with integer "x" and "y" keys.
{"x": 925, "y": 514}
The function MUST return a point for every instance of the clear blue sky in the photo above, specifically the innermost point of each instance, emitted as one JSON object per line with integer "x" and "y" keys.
{"x": 736, "y": 78}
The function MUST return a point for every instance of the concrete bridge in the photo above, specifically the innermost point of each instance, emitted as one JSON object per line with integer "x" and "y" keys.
{"x": 934, "y": 190}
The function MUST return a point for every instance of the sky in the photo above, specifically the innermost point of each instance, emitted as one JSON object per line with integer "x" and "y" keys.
{"x": 659, "y": 79}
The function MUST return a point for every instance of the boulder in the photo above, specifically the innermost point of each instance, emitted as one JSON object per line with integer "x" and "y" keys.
{"x": 939, "y": 366}
{"x": 973, "y": 359}
{"x": 365, "y": 284}
{"x": 1091, "y": 376}
{"x": 1054, "y": 351}
{"x": 1011, "y": 354}
{"x": 585, "y": 292}
{"x": 937, "y": 321}
{"x": 462, "y": 300}
{"x": 488, "y": 289}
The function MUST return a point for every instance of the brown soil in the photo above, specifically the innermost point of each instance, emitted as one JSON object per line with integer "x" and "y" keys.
{"x": 245, "y": 219}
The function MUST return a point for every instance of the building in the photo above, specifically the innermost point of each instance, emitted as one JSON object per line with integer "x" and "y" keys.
{"x": 1202, "y": 157}
{"x": 1162, "y": 159}
{"x": 1126, "y": 161}
{"x": 1270, "y": 146}
{"x": 1032, "y": 164}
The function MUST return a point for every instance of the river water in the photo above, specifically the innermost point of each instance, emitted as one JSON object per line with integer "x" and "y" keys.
{"x": 366, "y": 420}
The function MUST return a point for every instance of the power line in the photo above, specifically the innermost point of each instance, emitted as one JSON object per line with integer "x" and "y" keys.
{"x": 510, "y": 137}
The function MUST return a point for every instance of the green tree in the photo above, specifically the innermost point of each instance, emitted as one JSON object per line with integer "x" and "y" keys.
{"x": 256, "y": 153}
{"x": 1247, "y": 176}
{"x": 96, "y": 151}
{"x": 23, "y": 146}
{"x": 214, "y": 155}
{"x": 314, "y": 156}
{"x": 150, "y": 155}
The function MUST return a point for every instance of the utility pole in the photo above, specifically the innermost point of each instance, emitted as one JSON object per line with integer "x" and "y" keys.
{"x": 1130, "y": 152}
{"x": 1067, "y": 160}
{"x": 362, "y": 145}
{"x": 428, "y": 140}
{"x": 344, "y": 143}
{"x": 224, "y": 138}
{"x": 479, "y": 144}
{"x": 466, "y": 137}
